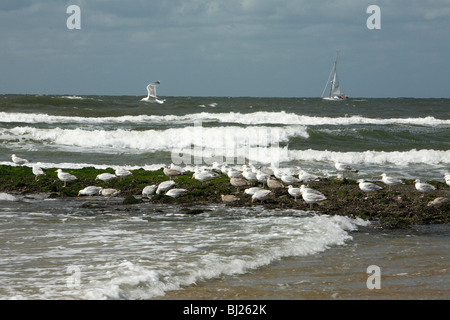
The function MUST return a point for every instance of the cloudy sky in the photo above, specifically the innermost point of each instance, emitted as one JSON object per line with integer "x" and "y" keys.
{"x": 269, "y": 48}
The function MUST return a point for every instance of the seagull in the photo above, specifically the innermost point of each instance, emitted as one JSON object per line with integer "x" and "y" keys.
{"x": 37, "y": 171}
{"x": 18, "y": 160}
{"x": 164, "y": 186}
{"x": 249, "y": 175}
{"x": 295, "y": 192}
{"x": 203, "y": 176}
{"x": 228, "y": 198}
{"x": 64, "y": 176}
{"x": 261, "y": 177}
{"x": 343, "y": 167}
{"x": 312, "y": 197}
{"x": 238, "y": 182}
{"x": 261, "y": 195}
{"x": 233, "y": 173}
{"x": 289, "y": 179}
{"x": 149, "y": 190}
{"x": 368, "y": 187}
{"x": 423, "y": 187}
{"x": 151, "y": 94}
{"x": 122, "y": 172}
{"x": 105, "y": 176}
{"x": 305, "y": 189}
{"x": 90, "y": 191}
{"x": 274, "y": 184}
{"x": 175, "y": 167}
{"x": 109, "y": 192}
{"x": 175, "y": 193}
{"x": 447, "y": 178}
{"x": 171, "y": 172}
{"x": 390, "y": 181}
{"x": 306, "y": 176}
{"x": 251, "y": 191}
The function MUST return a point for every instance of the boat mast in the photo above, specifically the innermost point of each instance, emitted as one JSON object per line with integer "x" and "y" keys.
{"x": 334, "y": 74}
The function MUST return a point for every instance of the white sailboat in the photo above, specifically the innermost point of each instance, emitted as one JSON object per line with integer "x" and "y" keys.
{"x": 335, "y": 93}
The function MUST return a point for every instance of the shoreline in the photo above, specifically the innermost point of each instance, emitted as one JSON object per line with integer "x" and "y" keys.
{"x": 401, "y": 207}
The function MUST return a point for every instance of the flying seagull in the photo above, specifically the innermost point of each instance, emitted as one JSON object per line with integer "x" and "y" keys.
{"x": 151, "y": 96}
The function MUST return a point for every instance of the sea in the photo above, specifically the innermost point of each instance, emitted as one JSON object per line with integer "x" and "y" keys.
{"x": 63, "y": 249}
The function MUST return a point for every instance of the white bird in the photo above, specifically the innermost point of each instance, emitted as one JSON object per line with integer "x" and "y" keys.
{"x": 148, "y": 191}
{"x": 90, "y": 191}
{"x": 251, "y": 191}
{"x": 447, "y": 178}
{"x": 109, "y": 192}
{"x": 344, "y": 167}
{"x": 423, "y": 187}
{"x": 390, "y": 181}
{"x": 120, "y": 172}
{"x": 305, "y": 189}
{"x": 277, "y": 172}
{"x": 233, "y": 173}
{"x": 164, "y": 186}
{"x": 289, "y": 179}
{"x": 64, "y": 176}
{"x": 261, "y": 195}
{"x": 37, "y": 171}
{"x": 175, "y": 193}
{"x": 312, "y": 197}
{"x": 151, "y": 94}
{"x": 295, "y": 192}
{"x": 18, "y": 160}
{"x": 203, "y": 176}
{"x": 175, "y": 167}
{"x": 249, "y": 175}
{"x": 261, "y": 177}
{"x": 105, "y": 176}
{"x": 171, "y": 172}
{"x": 306, "y": 176}
{"x": 267, "y": 170}
{"x": 368, "y": 187}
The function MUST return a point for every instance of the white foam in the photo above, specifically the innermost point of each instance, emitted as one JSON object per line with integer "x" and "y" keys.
{"x": 256, "y": 243}
{"x": 260, "y": 117}
{"x": 8, "y": 197}
{"x": 165, "y": 140}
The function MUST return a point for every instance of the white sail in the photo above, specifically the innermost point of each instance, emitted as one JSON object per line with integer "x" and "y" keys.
{"x": 335, "y": 89}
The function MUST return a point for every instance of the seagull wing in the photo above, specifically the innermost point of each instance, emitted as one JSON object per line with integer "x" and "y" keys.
{"x": 151, "y": 90}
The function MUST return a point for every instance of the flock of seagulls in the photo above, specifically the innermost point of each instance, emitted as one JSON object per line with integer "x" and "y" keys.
{"x": 246, "y": 177}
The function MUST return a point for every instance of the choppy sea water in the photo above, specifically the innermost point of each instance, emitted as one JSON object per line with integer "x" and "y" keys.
{"x": 64, "y": 249}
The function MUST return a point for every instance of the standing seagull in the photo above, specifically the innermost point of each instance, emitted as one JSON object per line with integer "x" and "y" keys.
{"x": 64, "y": 176}
{"x": 311, "y": 196}
{"x": 344, "y": 167}
{"x": 368, "y": 187}
{"x": 295, "y": 192}
{"x": 390, "y": 181}
{"x": 37, "y": 171}
{"x": 171, "y": 172}
{"x": 423, "y": 187}
{"x": 18, "y": 160}
{"x": 151, "y": 96}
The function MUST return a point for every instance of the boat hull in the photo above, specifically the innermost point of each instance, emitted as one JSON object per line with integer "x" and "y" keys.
{"x": 334, "y": 98}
